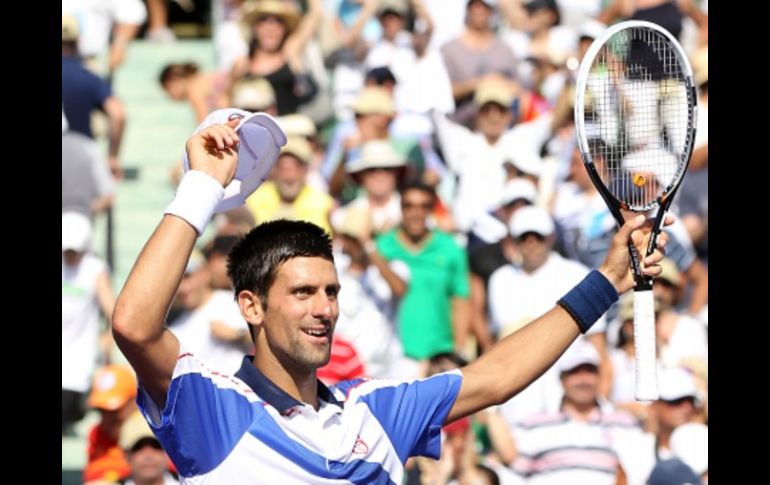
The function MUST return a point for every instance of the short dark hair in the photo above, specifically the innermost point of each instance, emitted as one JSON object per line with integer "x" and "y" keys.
{"x": 221, "y": 244}
{"x": 177, "y": 71}
{"x": 254, "y": 260}
{"x": 420, "y": 186}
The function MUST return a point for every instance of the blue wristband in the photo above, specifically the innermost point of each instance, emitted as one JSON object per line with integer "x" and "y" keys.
{"x": 587, "y": 301}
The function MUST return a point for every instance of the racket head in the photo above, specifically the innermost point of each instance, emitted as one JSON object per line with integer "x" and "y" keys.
{"x": 635, "y": 115}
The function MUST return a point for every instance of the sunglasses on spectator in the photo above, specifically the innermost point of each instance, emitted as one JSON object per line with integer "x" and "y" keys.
{"x": 677, "y": 402}
{"x": 411, "y": 205}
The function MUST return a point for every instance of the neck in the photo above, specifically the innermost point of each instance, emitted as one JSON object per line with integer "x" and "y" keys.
{"x": 301, "y": 384}
{"x": 664, "y": 438}
{"x": 378, "y": 200}
{"x": 492, "y": 139}
{"x": 414, "y": 241}
{"x": 150, "y": 481}
{"x": 580, "y": 411}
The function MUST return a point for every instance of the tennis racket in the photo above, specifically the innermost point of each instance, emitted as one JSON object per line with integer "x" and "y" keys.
{"x": 635, "y": 116}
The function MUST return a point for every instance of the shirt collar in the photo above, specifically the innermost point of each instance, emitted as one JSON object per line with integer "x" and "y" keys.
{"x": 271, "y": 393}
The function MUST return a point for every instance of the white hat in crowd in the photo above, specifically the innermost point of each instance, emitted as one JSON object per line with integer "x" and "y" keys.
{"x": 676, "y": 383}
{"x": 577, "y": 354}
{"x": 519, "y": 189}
{"x": 75, "y": 232}
{"x": 531, "y": 219}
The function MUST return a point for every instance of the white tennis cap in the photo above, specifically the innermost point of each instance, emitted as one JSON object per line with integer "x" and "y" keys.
{"x": 531, "y": 219}
{"x": 75, "y": 231}
{"x": 676, "y": 383}
{"x": 261, "y": 140}
{"x": 519, "y": 188}
{"x": 577, "y": 354}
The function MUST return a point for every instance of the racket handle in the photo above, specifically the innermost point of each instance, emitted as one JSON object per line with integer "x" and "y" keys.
{"x": 644, "y": 343}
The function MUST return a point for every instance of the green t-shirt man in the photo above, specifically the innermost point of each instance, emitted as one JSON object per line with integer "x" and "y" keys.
{"x": 438, "y": 274}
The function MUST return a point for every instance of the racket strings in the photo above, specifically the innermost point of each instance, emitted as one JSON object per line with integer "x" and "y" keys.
{"x": 638, "y": 111}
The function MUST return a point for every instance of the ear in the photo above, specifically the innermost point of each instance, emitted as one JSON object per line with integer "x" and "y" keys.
{"x": 251, "y": 307}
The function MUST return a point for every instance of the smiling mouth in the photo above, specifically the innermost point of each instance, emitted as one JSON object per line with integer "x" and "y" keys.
{"x": 321, "y": 332}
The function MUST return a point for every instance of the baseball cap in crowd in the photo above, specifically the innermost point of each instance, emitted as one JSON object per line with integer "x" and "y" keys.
{"x": 398, "y": 7}
{"x": 374, "y": 100}
{"x": 69, "y": 28}
{"x": 376, "y": 154}
{"x": 260, "y": 142}
{"x": 297, "y": 124}
{"x": 535, "y": 5}
{"x": 531, "y": 219}
{"x": 518, "y": 189}
{"x": 380, "y": 75}
{"x": 493, "y": 91}
{"x": 577, "y": 354}
{"x": 525, "y": 161}
{"x": 300, "y": 148}
{"x": 114, "y": 385}
{"x": 253, "y": 94}
{"x": 675, "y": 383}
{"x": 673, "y": 472}
{"x": 591, "y": 29}
{"x": 690, "y": 443}
{"x": 75, "y": 231}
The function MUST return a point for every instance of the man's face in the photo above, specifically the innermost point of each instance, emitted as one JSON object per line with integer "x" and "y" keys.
{"x": 416, "y": 206}
{"x": 193, "y": 289}
{"x": 148, "y": 462}
{"x": 379, "y": 182}
{"x": 289, "y": 174}
{"x": 478, "y": 15}
{"x": 581, "y": 384}
{"x": 675, "y": 413}
{"x": 301, "y": 312}
{"x": 535, "y": 249}
{"x": 392, "y": 23}
{"x": 493, "y": 119}
{"x": 270, "y": 32}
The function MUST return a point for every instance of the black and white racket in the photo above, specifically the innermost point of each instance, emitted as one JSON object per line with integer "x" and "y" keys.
{"x": 635, "y": 116}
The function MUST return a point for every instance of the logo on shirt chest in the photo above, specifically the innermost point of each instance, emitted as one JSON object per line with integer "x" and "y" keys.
{"x": 360, "y": 447}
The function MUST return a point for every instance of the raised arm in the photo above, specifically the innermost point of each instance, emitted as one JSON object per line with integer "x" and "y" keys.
{"x": 141, "y": 308}
{"x": 308, "y": 26}
{"x": 517, "y": 360}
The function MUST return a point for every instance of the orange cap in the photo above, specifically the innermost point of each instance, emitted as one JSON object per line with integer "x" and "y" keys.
{"x": 114, "y": 386}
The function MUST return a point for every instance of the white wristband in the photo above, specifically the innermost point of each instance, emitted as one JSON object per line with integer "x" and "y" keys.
{"x": 196, "y": 197}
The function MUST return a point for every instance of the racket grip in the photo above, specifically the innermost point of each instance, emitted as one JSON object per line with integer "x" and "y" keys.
{"x": 644, "y": 343}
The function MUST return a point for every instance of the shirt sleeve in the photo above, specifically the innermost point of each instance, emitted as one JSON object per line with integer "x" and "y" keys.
{"x": 205, "y": 415}
{"x": 412, "y": 413}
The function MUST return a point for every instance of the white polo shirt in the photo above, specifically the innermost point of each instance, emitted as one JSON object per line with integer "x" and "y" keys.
{"x": 245, "y": 429}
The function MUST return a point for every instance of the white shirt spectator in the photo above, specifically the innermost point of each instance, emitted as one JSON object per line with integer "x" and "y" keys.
{"x": 97, "y": 17}
{"x": 193, "y": 328}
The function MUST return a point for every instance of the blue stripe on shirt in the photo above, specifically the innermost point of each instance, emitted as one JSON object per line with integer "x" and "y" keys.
{"x": 199, "y": 430}
{"x": 412, "y": 414}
